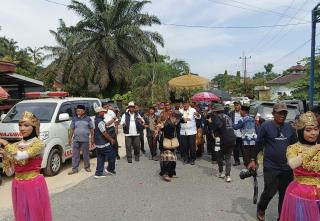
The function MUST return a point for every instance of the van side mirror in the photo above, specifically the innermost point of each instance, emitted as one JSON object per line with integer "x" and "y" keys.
{"x": 2, "y": 116}
{"x": 64, "y": 117}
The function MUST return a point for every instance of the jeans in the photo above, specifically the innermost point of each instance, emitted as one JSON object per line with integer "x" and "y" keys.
{"x": 76, "y": 154}
{"x": 188, "y": 144}
{"x": 274, "y": 181}
{"x": 132, "y": 141}
{"x": 236, "y": 150}
{"x": 224, "y": 152}
{"x": 105, "y": 154}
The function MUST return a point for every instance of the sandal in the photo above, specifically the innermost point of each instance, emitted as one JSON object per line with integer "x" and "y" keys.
{"x": 260, "y": 215}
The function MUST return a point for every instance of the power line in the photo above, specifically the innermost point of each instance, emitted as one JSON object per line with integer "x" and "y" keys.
{"x": 254, "y": 9}
{"x": 233, "y": 27}
{"x": 57, "y": 3}
{"x": 270, "y": 31}
{"x": 291, "y": 52}
{"x": 257, "y": 7}
{"x": 272, "y": 41}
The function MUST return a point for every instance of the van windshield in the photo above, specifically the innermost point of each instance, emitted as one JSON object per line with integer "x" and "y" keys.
{"x": 43, "y": 111}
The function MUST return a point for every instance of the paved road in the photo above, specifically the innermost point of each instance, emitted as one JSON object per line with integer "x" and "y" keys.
{"x": 137, "y": 193}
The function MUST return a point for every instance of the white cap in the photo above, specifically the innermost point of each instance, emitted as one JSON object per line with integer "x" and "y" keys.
{"x": 131, "y": 104}
{"x": 100, "y": 109}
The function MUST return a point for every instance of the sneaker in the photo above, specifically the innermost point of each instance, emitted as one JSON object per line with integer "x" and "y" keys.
{"x": 73, "y": 172}
{"x": 221, "y": 175}
{"x": 228, "y": 179}
{"x": 109, "y": 172}
{"x": 192, "y": 162}
{"x": 129, "y": 160}
{"x": 99, "y": 176}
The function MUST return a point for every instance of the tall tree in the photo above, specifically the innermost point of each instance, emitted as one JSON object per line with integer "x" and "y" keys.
{"x": 109, "y": 39}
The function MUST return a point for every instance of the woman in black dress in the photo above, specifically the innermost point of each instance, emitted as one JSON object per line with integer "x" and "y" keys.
{"x": 168, "y": 157}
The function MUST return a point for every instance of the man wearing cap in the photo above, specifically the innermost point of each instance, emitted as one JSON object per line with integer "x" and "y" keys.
{"x": 223, "y": 131}
{"x": 247, "y": 127}
{"x": 235, "y": 117}
{"x": 274, "y": 137}
{"x": 104, "y": 145}
{"x": 81, "y": 128}
{"x": 188, "y": 133}
{"x": 131, "y": 121}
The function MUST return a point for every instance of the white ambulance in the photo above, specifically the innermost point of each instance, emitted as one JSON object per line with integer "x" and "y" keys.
{"x": 55, "y": 114}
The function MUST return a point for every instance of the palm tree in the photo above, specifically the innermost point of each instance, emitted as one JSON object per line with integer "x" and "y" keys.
{"x": 180, "y": 65}
{"x": 108, "y": 39}
{"x": 36, "y": 54}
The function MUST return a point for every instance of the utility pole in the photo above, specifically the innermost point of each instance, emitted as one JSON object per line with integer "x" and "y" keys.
{"x": 244, "y": 60}
{"x": 315, "y": 19}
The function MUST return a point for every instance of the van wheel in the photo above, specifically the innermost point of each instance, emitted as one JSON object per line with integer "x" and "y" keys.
{"x": 54, "y": 163}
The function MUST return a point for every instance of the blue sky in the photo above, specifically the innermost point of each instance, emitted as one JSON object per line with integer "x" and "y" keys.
{"x": 208, "y": 51}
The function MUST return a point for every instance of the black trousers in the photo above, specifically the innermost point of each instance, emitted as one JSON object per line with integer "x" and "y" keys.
{"x": 274, "y": 181}
{"x": 141, "y": 137}
{"x": 236, "y": 150}
{"x": 152, "y": 142}
{"x": 188, "y": 145}
{"x": 210, "y": 145}
{"x": 248, "y": 153}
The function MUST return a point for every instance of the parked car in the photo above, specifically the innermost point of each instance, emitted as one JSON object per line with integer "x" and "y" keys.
{"x": 242, "y": 100}
{"x": 55, "y": 118}
{"x": 263, "y": 110}
{"x": 301, "y": 105}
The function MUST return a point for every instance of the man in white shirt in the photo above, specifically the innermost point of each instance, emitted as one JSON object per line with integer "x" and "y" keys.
{"x": 188, "y": 133}
{"x": 131, "y": 121}
{"x": 235, "y": 117}
{"x": 110, "y": 119}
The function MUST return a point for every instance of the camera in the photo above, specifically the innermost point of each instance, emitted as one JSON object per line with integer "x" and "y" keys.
{"x": 247, "y": 173}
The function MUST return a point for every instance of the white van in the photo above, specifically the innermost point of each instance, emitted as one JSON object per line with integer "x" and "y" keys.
{"x": 55, "y": 116}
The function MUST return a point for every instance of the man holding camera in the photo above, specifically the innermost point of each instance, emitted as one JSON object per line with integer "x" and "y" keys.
{"x": 274, "y": 137}
{"x": 247, "y": 127}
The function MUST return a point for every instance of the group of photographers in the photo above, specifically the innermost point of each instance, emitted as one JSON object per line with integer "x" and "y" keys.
{"x": 238, "y": 132}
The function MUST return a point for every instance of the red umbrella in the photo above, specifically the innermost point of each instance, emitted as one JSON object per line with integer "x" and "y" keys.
{"x": 205, "y": 97}
{"x": 3, "y": 93}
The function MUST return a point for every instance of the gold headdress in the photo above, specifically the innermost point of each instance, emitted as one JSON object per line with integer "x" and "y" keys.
{"x": 306, "y": 119}
{"x": 31, "y": 119}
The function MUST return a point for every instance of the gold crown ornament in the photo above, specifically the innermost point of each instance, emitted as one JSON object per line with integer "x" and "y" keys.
{"x": 31, "y": 119}
{"x": 306, "y": 119}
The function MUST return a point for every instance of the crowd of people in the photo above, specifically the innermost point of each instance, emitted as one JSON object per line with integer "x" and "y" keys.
{"x": 291, "y": 155}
